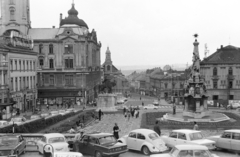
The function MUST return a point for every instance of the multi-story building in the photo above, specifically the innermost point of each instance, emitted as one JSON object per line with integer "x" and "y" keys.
{"x": 68, "y": 64}
{"x": 115, "y": 75}
{"x": 221, "y": 71}
{"x": 18, "y": 60}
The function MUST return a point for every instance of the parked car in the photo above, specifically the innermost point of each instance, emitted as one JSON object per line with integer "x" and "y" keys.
{"x": 145, "y": 140}
{"x": 233, "y": 106}
{"x": 67, "y": 154}
{"x": 150, "y": 106}
{"x": 17, "y": 120}
{"x": 3, "y": 123}
{"x": 186, "y": 136}
{"x": 99, "y": 145}
{"x": 45, "y": 114}
{"x": 155, "y": 102}
{"x": 62, "y": 112}
{"x": 187, "y": 151}
{"x": 120, "y": 101}
{"x": 69, "y": 110}
{"x": 54, "y": 113}
{"x": 51, "y": 141}
{"x": 36, "y": 116}
{"x": 230, "y": 139}
{"x": 12, "y": 145}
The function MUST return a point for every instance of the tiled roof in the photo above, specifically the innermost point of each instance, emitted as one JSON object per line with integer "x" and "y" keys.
{"x": 43, "y": 33}
{"x": 225, "y": 55}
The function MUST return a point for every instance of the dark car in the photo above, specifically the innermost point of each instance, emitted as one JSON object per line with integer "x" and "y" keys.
{"x": 99, "y": 145}
{"x": 12, "y": 145}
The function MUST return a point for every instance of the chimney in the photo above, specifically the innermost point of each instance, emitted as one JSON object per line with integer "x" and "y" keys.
{"x": 53, "y": 26}
{"x": 60, "y": 17}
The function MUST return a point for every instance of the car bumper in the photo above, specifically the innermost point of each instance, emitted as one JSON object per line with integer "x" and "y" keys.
{"x": 114, "y": 153}
{"x": 159, "y": 150}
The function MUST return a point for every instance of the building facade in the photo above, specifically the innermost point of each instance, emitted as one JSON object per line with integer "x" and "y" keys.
{"x": 115, "y": 75}
{"x": 221, "y": 71}
{"x": 18, "y": 60}
{"x": 69, "y": 65}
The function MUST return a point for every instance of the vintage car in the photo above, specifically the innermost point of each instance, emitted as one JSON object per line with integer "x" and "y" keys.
{"x": 69, "y": 110}
{"x": 155, "y": 102}
{"x": 99, "y": 145}
{"x": 145, "y": 140}
{"x": 17, "y": 120}
{"x": 67, "y": 154}
{"x": 55, "y": 141}
{"x": 54, "y": 113}
{"x": 62, "y": 112}
{"x": 12, "y": 145}
{"x": 36, "y": 116}
{"x": 230, "y": 139}
{"x": 187, "y": 151}
{"x": 186, "y": 136}
{"x": 3, "y": 123}
{"x": 150, "y": 106}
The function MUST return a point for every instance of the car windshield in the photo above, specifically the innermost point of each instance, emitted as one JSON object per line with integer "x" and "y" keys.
{"x": 16, "y": 119}
{"x": 153, "y": 136}
{"x": 6, "y": 140}
{"x": 107, "y": 139}
{"x": 174, "y": 152}
{"x": 196, "y": 136}
{"x": 56, "y": 139}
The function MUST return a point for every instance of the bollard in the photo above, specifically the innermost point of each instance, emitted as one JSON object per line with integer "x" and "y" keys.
{"x": 48, "y": 154}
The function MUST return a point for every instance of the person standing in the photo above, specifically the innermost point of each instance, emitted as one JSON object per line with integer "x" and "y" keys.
{"x": 195, "y": 127}
{"x": 174, "y": 108}
{"x": 157, "y": 129}
{"x": 99, "y": 114}
{"x": 128, "y": 115}
{"x": 116, "y": 131}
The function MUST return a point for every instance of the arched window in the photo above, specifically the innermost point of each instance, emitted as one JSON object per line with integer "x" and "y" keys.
{"x": 108, "y": 68}
{"x": 51, "y": 64}
{"x": 51, "y": 48}
{"x": 41, "y": 62}
{"x": 41, "y": 48}
{"x": 214, "y": 71}
{"x": 12, "y": 13}
{"x": 230, "y": 71}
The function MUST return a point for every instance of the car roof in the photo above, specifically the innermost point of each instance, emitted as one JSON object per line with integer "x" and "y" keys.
{"x": 186, "y": 131}
{"x": 9, "y": 135}
{"x": 53, "y": 135}
{"x": 147, "y": 131}
{"x": 233, "y": 130}
{"x": 191, "y": 147}
{"x": 98, "y": 134}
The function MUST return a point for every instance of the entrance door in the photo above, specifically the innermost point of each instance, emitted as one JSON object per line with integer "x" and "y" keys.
{"x": 215, "y": 99}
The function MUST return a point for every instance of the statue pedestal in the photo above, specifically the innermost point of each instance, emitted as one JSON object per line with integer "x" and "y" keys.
{"x": 106, "y": 102}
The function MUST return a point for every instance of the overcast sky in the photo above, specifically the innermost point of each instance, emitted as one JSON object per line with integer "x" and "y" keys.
{"x": 149, "y": 32}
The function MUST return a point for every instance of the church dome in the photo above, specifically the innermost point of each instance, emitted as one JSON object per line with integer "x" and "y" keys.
{"x": 73, "y": 18}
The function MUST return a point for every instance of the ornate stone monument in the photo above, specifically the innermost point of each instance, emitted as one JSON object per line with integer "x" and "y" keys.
{"x": 195, "y": 89}
{"x": 106, "y": 102}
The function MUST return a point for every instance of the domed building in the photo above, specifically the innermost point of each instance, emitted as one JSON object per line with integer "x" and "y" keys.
{"x": 69, "y": 69}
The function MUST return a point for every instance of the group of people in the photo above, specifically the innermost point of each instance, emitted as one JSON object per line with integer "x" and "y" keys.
{"x": 131, "y": 112}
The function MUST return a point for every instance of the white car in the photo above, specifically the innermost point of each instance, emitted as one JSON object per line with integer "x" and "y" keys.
{"x": 186, "y": 136}
{"x": 233, "y": 106}
{"x": 45, "y": 114}
{"x": 145, "y": 140}
{"x": 69, "y": 110}
{"x": 3, "y": 123}
{"x": 54, "y": 113}
{"x": 55, "y": 141}
{"x": 230, "y": 139}
{"x": 18, "y": 120}
{"x": 120, "y": 101}
{"x": 187, "y": 151}
{"x": 150, "y": 106}
{"x": 62, "y": 112}
{"x": 67, "y": 154}
{"x": 35, "y": 117}
{"x": 155, "y": 102}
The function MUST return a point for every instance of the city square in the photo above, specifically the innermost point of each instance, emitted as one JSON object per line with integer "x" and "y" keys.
{"x": 162, "y": 87}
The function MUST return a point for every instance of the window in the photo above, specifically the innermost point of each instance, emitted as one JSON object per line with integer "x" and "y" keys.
{"x": 12, "y": 13}
{"x": 16, "y": 84}
{"x": 83, "y": 62}
{"x": 11, "y": 84}
{"x": 24, "y": 65}
{"x": 132, "y": 135}
{"x": 226, "y": 135}
{"x": 20, "y": 83}
{"x": 236, "y": 136}
{"x": 230, "y": 71}
{"x": 140, "y": 136}
{"x": 52, "y": 80}
{"x": 20, "y": 65}
{"x": 15, "y": 64}
{"x": 68, "y": 48}
{"x": 69, "y": 80}
{"x": 33, "y": 65}
{"x": 40, "y": 48}
{"x": 93, "y": 140}
{"x": 51, "y": 63}
{"x": 41, "y": 62}
{"x": 69, "y": 63}
{"x": 30, "y": 62}
{"x": 85, "y": 139}
{"x": 230, "y": 85}
{"x": 173, "y": 135}
{"x": 24, "y": 83}
{"x": 108, "y": 67}
{"x": 166, "y": 85}
{"x": 51, "y": 48}
{"x": 214, "y": 71}
{"x": 11, "y": 64}
{"x": 215, "y": 84}
{"x": 182, "y": 136}
{"x": 27, "y": 66}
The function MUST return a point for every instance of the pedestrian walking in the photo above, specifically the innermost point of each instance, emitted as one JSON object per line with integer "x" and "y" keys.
{"x": 132, "y": 112}
{"x": 116, "y": 131}
{"x": 174, "y": 108}
{"x": 157, "y": 129}
{"x": 195, "y": 127}
{"x": 128, "y": 115}
{"x": 99, "y": 114}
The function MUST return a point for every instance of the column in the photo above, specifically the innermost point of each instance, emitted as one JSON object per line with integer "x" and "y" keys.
{"x": 14, "y": 84}
{"x": 29, "y": 82}
{"x": 19, "y": 86}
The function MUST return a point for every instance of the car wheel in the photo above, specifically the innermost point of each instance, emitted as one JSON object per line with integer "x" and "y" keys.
{"x": 145, "y": 150}
{"x": 98, "y": 154}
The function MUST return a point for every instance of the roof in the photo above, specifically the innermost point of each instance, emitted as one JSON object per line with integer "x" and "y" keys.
{"x": 233, "y": 130}
{"x": 186, "y": 131}
{"x": 225, "y": 55}
{"x": 191, "y": 147}
{"x": 53, "y": 135}
{"x": 43, "y": 33}
{"x": 99, "y": 135}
